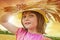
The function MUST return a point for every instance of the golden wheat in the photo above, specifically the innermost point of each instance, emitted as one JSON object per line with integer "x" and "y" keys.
{"x": 7, "y": 37}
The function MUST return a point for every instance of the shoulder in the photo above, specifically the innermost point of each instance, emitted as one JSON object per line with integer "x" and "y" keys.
{"x": 21, "y": 30}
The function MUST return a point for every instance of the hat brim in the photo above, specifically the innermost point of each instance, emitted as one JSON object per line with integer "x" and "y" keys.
{"x": 34, "y": 9}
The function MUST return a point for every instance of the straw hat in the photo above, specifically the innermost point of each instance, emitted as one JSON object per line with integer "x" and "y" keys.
{"x": 40, "y": 10}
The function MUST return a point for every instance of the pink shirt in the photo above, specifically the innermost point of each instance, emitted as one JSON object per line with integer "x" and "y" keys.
{"x": 22, "y": 34}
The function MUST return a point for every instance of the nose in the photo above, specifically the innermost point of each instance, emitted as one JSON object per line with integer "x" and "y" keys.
{"x": 27, "y": 19}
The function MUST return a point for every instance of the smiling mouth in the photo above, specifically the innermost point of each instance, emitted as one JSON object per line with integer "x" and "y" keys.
{"x": 27, "y": 23}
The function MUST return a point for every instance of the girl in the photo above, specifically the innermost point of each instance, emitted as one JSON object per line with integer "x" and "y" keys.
{"x": 33, "y": 23}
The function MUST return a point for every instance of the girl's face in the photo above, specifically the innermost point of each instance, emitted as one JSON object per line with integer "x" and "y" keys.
{"x": 29, "y": 20}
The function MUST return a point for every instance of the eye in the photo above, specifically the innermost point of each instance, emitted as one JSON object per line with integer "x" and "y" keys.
{"x": 24, "y": 17}
{"x": 31, "y": 15}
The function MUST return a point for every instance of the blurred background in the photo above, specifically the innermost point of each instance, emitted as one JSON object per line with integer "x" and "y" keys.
{"x": 51, "y": 7}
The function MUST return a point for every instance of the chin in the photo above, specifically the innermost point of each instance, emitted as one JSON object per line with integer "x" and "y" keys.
{"x": 28, "y": 27}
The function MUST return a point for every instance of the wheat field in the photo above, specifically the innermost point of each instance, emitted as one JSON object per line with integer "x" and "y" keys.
{"x": 7, "y": 37}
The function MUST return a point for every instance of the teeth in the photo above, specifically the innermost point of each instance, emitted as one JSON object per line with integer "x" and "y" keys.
{"x": 27, "y": 23}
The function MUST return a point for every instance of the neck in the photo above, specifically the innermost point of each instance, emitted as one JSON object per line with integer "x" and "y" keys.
{"x": 33, "y": 31}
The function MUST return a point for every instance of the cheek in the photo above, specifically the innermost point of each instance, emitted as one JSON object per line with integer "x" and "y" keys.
{"x": 34, "y": 22}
